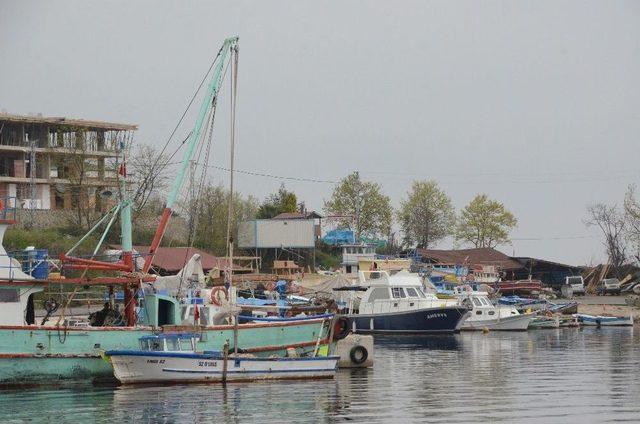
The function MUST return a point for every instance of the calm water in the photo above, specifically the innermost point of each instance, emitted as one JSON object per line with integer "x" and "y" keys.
{"x": 566, "y": 375}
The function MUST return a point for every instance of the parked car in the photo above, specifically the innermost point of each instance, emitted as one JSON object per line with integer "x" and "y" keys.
{"x": 576, "y": 283}
{"x": 608, "y": 286}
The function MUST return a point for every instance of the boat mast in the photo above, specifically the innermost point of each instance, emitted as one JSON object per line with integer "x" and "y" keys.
{"x": 230, "y": 45}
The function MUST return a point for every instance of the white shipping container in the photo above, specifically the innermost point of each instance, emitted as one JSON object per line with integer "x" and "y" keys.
{"x": 274, "y": 233}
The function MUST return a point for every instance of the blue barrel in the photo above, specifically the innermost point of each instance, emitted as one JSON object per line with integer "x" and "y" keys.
{"x": 35, "y": 263}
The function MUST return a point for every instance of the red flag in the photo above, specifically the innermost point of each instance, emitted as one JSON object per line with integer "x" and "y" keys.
{"x": 196, "y": 314}
{"x": 122, "y": 170}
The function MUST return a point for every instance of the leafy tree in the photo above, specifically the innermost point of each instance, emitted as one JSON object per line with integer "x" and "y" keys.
{"x": 367, "y": 211}
{"x": 426, "y": 216}
{"x": 277, "y": 203}
{"x": 632, "y": 220}
{"x": 485, "y": 223}
{"x": 211, "y": 224}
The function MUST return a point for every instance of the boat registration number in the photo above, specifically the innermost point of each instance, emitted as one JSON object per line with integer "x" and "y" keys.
{"x": 436, "y": 315}
{"x": 155, "y": 361}
{"x": 207, "y": 364}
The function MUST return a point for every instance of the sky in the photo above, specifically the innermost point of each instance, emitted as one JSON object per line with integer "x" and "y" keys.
{"x": 535, "y": 104}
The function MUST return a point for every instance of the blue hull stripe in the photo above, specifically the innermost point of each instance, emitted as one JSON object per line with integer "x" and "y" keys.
{"x": 247, "y": 372}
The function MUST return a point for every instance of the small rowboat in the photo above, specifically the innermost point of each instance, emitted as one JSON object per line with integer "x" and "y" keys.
{"x": 172, "y": 358}
{"x": 544, "y": 322}
{"x": 603, "y": 320}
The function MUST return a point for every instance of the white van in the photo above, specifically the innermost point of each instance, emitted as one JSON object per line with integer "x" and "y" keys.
{"x": 576, "y": 282}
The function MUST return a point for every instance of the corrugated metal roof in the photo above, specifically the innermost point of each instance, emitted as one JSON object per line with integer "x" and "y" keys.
{"x": 80, "y": 123}
{"x": 480, "y": 256}
{"x": 298, "y": 215}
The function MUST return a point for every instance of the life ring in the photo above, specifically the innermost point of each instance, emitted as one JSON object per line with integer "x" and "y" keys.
{"x": 215, "y": 299}
{"x": 358, "y": 354}
{"x": 340, "y": 328}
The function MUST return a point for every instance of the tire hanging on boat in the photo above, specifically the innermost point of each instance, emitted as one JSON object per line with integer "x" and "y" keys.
{"x": 358, "y": 354}
{"x": 341, "y": 328}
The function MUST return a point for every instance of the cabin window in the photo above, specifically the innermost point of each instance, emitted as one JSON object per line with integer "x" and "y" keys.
{"x": 411, "y": 292}
{"x": 144, "y": 344}
{"x": 492, "y": 312}
{"x": 476, "y": 301}
{"x": 9, "y": 295}
{"x": 156, "y": 345}
{"x": 484, "y": 301}
{"x": 173, "y": 344}
{"x": 478, "y": 312}
{"x": 421, "y": 293}
{"x": 398, "y": 293}
{"x": 379, "y": 293}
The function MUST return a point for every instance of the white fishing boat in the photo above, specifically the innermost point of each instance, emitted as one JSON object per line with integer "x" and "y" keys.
{"x": 485, "y": 315}
{"x": 173, "y": 358}
{"x": 604, "y": 320}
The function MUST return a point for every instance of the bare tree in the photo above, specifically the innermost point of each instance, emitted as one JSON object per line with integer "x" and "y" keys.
{"x": 149, "y": 179}
{"x": 611, "y": 222}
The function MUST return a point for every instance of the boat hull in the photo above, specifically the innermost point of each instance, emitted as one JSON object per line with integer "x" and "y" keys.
{"x": 164, "y": 367}
{"x": 604, "y": 321}
{"x": 510, "y": 323}
{"x": 421, "y": 321}
{"x": 43, "y": 355}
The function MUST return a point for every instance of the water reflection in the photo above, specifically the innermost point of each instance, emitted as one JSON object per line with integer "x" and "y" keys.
{"x": 550, "y": 375}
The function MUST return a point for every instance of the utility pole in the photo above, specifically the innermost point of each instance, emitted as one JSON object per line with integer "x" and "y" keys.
{"x": 32, "y": 179}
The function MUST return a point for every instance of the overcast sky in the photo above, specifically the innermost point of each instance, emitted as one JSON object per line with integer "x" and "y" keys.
{"x": 534, "y": 103}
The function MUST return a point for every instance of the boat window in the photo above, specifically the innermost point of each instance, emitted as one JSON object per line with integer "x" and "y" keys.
{"x": 421, "y": 293}
{"x": 379, "y": 293}
{"x": 478, "y": 312}
{"x": 411, "y": 292}
{"x": 476, "y": 301}
{"x": 144, "y": 344}
{"x": 9, "y": 295}
{"x": 484, "y": 301}
{"x": 398, "y": 292}
{"x": 172, "y": 344}
{"x": 155, "y": 345}
{"x": 492, "y": 312}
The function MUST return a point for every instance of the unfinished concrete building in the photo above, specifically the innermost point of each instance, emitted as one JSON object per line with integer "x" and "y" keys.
{"x": 75, "y": 160}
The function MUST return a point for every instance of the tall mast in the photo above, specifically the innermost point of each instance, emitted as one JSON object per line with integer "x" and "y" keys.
{"x": 230, "y": 46}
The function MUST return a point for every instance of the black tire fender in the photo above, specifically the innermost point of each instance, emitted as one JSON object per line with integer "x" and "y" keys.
{"x": 358, "y": 354}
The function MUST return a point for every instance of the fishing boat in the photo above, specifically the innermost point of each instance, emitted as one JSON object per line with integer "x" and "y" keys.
{"x": 544, "y": 321}
{"x": 523, "y": 303}
{"x": 604, "y": 320}
{"x": 399, "y": 304}
{"x": 484, "y": 315}
{"x": 52, "y": 349}
{"x": 175, "y": 358}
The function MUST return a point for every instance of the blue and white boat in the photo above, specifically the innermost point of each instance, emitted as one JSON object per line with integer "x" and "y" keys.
{"x": 400, "y": 304}
{"x": 604, "y": 320}
{"x": 174, "y": 358}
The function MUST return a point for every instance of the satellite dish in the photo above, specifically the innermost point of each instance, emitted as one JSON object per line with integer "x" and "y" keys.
{"x": 105, "y": 194}
{"x": 60, "y": 188}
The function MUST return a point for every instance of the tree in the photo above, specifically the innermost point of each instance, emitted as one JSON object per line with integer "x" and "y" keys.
{"x": 612, "y": 224}
{"x": 485, "y": 223}
{"x": 426, "y": 216}
{"x": 212, "y": 212}
{"x": 632, "y": 220}
{"x": 365, "y": 209}
{"x": 277, "y": 203}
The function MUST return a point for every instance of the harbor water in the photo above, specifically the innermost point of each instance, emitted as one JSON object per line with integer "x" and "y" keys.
{"x": 563, "y": 375}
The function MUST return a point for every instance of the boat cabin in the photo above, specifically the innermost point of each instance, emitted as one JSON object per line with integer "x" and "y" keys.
{"x": 171, "y": 342}
{"x": 482, "y": 307}
{"x": 403, "y": 291}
